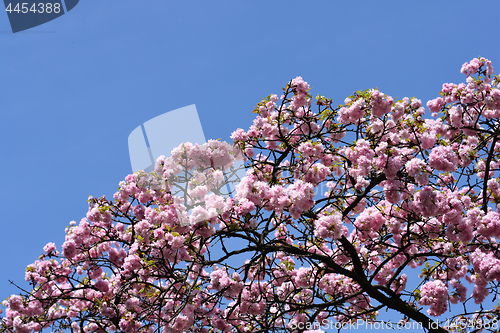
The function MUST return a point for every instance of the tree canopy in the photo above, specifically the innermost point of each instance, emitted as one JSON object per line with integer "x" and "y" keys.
{"x": 341, "y": 213}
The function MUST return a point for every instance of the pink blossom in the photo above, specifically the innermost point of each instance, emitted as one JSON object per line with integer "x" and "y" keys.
{"x": 490, "y": 225}
{"x": 380, "y": 103}
{"x": 473, "y": 66}
{"x": 329, "y": 226}
{"x": 427, "y": 202}
{"x": 303, "y": 278}
{"x": 456, "y": 117}
{"x": 460, "y": 295}
{"x": 69, "y": 249}
{"x": 435, "y": 294}
{"x": 353, "y": 113}
{"x": 486, "y": 265}
{"x": 20, "y": 327}
{"x": 370, "y": 220}
{"x": 102, "y": 285}
{"x": 49, "y": 248}
{"x": 435, "y": 105}
{"x": 16, "y": 303}
{"x": 301, "y": 195}
{"x": 443, "y": 158}
{"x": 392, "y": 190}
{"x": 132, "y": 263}
{"x": 133, "y": 304}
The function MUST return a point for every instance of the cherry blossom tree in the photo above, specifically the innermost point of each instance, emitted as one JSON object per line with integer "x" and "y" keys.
{"x": 344, "y": 212}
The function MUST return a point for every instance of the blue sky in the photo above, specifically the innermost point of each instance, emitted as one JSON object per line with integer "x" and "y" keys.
{"x": 73, "y": 89}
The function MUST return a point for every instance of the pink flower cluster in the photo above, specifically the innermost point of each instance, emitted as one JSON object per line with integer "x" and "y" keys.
{"x": 353, "y": 113}
{"x": 443, "y": 159}
{"x": 300, "y": 93}
{"x": 380, "y": 103}
{"x": 435, "y": 294}
{"x": 330, "y": 226}
{"x": 475, "y": 64}
{"x": 313, "y": 229}
{"x": 487, "y": 265}
{"x": 369, "y": 222}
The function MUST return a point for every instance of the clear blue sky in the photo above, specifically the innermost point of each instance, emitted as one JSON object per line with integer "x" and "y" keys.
{"x": 73, "y": 89}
